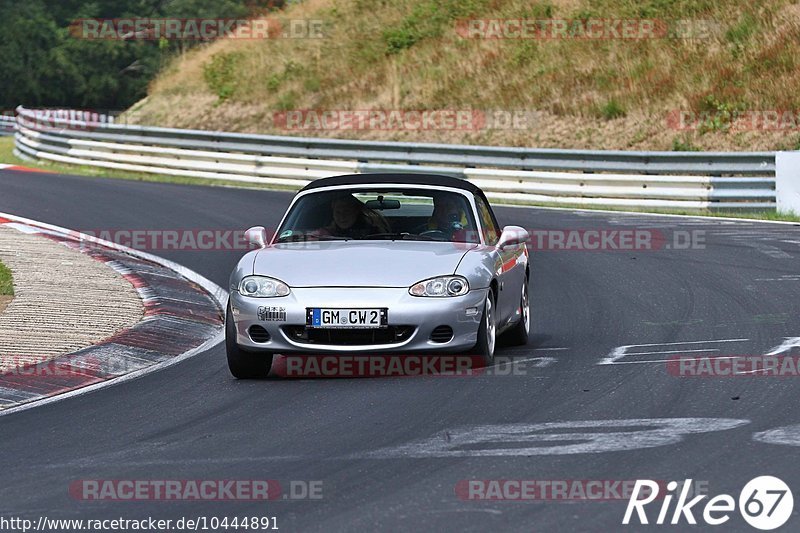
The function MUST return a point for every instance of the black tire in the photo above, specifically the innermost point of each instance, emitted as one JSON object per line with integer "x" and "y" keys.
{"x": 518, "y": 334}
{"x": 242, "y": 363}
{"x": 487, "y": 333}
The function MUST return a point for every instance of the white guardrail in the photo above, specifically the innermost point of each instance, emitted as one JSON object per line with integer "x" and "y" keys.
{"x": 7, "y": 125}
{"x": 675, "y": 180}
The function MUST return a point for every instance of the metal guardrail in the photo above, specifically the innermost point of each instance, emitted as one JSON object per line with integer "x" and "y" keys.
{"x": 7, "y": 125}
{"x": 690, "y": 180}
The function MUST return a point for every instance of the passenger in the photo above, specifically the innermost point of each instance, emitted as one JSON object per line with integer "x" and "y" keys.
{"x": 448, "y": 216}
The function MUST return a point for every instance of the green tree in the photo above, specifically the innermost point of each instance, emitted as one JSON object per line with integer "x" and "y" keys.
{"x": 43, "y": 64}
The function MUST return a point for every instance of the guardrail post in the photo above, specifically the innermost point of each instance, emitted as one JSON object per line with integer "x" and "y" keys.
{"x": 787, "y": 182}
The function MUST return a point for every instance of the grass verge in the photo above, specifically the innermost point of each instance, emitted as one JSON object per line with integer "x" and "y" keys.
{"x": 6, "y": 287}
{"x": 7, "y": 156}
{"x": 6, "y": 283}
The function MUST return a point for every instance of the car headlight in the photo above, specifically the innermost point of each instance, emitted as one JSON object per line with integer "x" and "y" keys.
{"x": 442, "y": 286}
{"x": 262, "y": 287}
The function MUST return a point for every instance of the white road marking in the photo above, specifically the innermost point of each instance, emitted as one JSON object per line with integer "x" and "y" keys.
{"x": 786, "y": 346}
{"x": 672, "y": 351}
{"x": 622, "y": 351}
{"x": 554, "y": 438}
{"x": 771, "y": 251}
{"x": 463, "y": 510}
{"x": 541, "y": 362}
{"x": 522, "y": 350}
{"x": 749, "y": 371}
{"x": 616, "y": 353}
{"x": 648, "y": 361}
{"x": 787, "y": 435}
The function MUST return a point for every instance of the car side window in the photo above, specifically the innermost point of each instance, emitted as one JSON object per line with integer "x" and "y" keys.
{"x": 488, "y": 224}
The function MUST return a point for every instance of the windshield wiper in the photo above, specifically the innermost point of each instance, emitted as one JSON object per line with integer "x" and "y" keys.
{"x": 331, "y": 238}
{"x": 303, "y": 237}
{"x": 292, "y": 238}
{"x": 404, "y": 236}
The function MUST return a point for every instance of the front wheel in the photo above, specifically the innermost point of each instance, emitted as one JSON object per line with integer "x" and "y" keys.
{"x": 241, "y": 363}
{"x": 487, "y": 333}
{"x": 518, "y": 335}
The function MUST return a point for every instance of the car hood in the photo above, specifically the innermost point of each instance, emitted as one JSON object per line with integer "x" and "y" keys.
{"x": 359, "y": 264}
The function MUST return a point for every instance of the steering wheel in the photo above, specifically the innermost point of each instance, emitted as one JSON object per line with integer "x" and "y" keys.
{"x": 435, "y": 234}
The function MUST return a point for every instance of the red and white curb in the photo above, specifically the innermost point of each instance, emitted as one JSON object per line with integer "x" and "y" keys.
{"x": 183, "y": 317}
{"x": 19, "y": 168}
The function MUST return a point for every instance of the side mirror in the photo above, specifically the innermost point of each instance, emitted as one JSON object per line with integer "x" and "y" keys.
{"x": 257, "y": 236}
{"x": 513, "y": 235}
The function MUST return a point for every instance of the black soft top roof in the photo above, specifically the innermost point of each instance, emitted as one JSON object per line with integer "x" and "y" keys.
{"x": 434, "y": 180}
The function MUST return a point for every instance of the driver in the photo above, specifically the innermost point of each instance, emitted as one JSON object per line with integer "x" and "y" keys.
{"x": 352, "y": 219}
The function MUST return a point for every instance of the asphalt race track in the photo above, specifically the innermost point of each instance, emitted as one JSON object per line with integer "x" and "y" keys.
{"x": 390, "y": 452}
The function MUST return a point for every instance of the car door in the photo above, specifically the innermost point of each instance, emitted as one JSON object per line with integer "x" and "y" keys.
{"x": 509, "y": 269}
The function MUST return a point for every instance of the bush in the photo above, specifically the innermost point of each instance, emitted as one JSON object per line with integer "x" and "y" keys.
{"x": 683, "y": 145}
{"x": 220, "y": 74}
{"x": 612, "y": 109}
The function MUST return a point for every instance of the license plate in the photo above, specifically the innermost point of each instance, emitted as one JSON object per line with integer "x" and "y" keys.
{"x": 345, "y": 318}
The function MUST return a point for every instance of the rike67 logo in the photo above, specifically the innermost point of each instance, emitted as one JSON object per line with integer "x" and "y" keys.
{"x": 765, "y": 503}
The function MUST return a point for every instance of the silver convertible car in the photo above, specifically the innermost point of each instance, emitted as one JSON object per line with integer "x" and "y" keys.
{"x": 388, "y": 264}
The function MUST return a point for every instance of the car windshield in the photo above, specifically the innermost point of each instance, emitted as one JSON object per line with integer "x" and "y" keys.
{"x": 381, "y": 214}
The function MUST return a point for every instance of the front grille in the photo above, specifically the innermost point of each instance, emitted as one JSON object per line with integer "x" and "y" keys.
{"x": 258, "y": 334}
{"x": 349, "y": 337}
{"x": 442, "y": 334}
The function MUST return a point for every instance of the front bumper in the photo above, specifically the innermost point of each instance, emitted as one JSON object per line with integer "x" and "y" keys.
{"x": 462, "y": 314}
